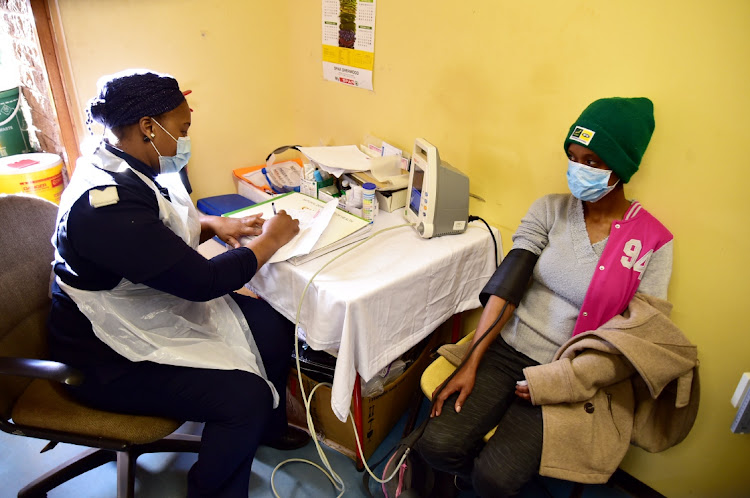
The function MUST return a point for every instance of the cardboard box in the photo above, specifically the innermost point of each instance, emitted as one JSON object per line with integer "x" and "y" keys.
{"x": 379, "y": 413}
{"x": 391, "y": 200}
{"x": 388, "y": 200}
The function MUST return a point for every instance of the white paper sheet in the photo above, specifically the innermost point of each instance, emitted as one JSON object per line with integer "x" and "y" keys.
{"x": 312, "y": 224}
{"x": 388, "y": 170}
{"x": 384, "y": 167}
{"x": 311, "y": 227}
{"x": 341, "y": 157}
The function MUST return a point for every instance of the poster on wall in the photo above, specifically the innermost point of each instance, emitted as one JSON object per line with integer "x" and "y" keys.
{"x": 349, "y": 42}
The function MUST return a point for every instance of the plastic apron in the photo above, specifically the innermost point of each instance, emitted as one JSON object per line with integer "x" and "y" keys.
{"x": 145, "y": 324}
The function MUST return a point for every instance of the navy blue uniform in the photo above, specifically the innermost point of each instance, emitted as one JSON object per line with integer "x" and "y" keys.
{"x": 128, "y": 240}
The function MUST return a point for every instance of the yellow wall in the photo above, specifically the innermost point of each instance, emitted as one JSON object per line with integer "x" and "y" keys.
{"x": 234, "y": 59}
{"x": 495, "y": 85}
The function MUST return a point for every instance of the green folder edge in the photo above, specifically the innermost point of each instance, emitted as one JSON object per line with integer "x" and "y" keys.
{"x": 277, "y": 197}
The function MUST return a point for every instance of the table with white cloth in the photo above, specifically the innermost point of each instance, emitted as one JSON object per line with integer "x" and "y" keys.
{"x": 374, "y": 303}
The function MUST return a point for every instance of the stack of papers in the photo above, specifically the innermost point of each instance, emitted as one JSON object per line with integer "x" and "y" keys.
{"x": 384, "y": 171}
{"x": 323, "y": 227}
{"x": 338, "y": 159}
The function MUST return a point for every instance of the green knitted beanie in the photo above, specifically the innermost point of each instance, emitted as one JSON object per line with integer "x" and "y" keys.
{"x": 617, "y": 130}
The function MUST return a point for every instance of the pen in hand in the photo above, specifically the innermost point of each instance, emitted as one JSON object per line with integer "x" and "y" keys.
{"x": 273, "y": 206}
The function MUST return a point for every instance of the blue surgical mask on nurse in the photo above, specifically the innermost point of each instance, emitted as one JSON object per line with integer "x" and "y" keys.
{"x": 173, "y": 164}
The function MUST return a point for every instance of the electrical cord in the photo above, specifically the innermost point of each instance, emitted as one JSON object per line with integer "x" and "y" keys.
{"x": 494, "y": 241}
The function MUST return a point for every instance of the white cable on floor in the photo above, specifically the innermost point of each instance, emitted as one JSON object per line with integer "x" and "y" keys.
{"x": 338, "y": 483}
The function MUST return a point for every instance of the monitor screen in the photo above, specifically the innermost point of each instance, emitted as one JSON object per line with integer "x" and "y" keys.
{"x": 416, "y": 188}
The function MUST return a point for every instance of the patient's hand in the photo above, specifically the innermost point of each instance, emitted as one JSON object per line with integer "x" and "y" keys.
{"x": 462, "y": 383}
{"x": 522, "y": 391}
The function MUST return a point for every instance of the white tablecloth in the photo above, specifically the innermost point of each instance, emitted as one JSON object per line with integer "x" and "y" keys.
{"x": 376, "y": 302}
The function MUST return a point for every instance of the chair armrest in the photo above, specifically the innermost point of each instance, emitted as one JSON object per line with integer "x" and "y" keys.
{"x": 41, "y": 369}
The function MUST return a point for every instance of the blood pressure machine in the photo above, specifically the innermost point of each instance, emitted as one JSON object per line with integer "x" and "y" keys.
{"x": 438, "y": 202}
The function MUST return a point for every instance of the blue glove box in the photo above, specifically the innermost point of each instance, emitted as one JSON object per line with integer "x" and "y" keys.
{"x": 221, "y": 204}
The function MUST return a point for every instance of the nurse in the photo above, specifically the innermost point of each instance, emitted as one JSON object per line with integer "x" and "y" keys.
{"x": 155, "y": 327}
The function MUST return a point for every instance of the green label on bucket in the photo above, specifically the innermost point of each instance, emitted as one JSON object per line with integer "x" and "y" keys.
{"x": 7, "y": 108}
{"x": 14, "y": 133}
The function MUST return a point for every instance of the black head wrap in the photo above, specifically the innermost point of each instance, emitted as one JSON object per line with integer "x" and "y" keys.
{"x": 124, "y": 98}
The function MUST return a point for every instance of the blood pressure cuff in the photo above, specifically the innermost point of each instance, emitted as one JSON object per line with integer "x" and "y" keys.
{"x": 511, "y": 278}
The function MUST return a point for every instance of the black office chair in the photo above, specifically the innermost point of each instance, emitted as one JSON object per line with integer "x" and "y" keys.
{"x": 32, "y": 402}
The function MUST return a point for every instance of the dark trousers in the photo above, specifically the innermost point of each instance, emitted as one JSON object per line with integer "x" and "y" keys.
{"x": 452, "y": 442}
{"x": 236, "y": 406}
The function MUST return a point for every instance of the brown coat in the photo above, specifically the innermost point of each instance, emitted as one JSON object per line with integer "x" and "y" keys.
{"x": 633, "y": 380}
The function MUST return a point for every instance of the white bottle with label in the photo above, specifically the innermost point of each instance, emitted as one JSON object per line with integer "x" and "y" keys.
{"x": 369, "y": 203}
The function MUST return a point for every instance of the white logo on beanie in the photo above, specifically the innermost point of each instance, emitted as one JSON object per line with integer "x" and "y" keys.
{"x": 582, "y": 135}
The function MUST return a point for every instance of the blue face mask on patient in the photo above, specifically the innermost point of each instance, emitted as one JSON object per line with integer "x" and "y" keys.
{"x": 587, "y": 183}
{"x": 173, "y": 164}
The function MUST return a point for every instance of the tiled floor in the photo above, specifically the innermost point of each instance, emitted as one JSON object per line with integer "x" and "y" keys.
{"x": 164, "y": 475}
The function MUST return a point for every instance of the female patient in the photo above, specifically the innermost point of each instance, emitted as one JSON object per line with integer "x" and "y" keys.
{"x": 154, "y": 326}
{"x": 563, "y": 238}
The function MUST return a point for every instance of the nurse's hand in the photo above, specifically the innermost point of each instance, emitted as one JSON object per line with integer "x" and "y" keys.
{"x": 231, "y": 230}
{"x": 281, "y": 227}
{"x": 277, "y": 231}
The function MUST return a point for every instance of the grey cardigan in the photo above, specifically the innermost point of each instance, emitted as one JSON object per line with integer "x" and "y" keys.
{"x": 554, "y": 229}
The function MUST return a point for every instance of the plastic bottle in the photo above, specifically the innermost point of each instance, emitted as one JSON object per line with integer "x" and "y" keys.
{"x": 356, "y": 196}
{"x": 369, "y": 203}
